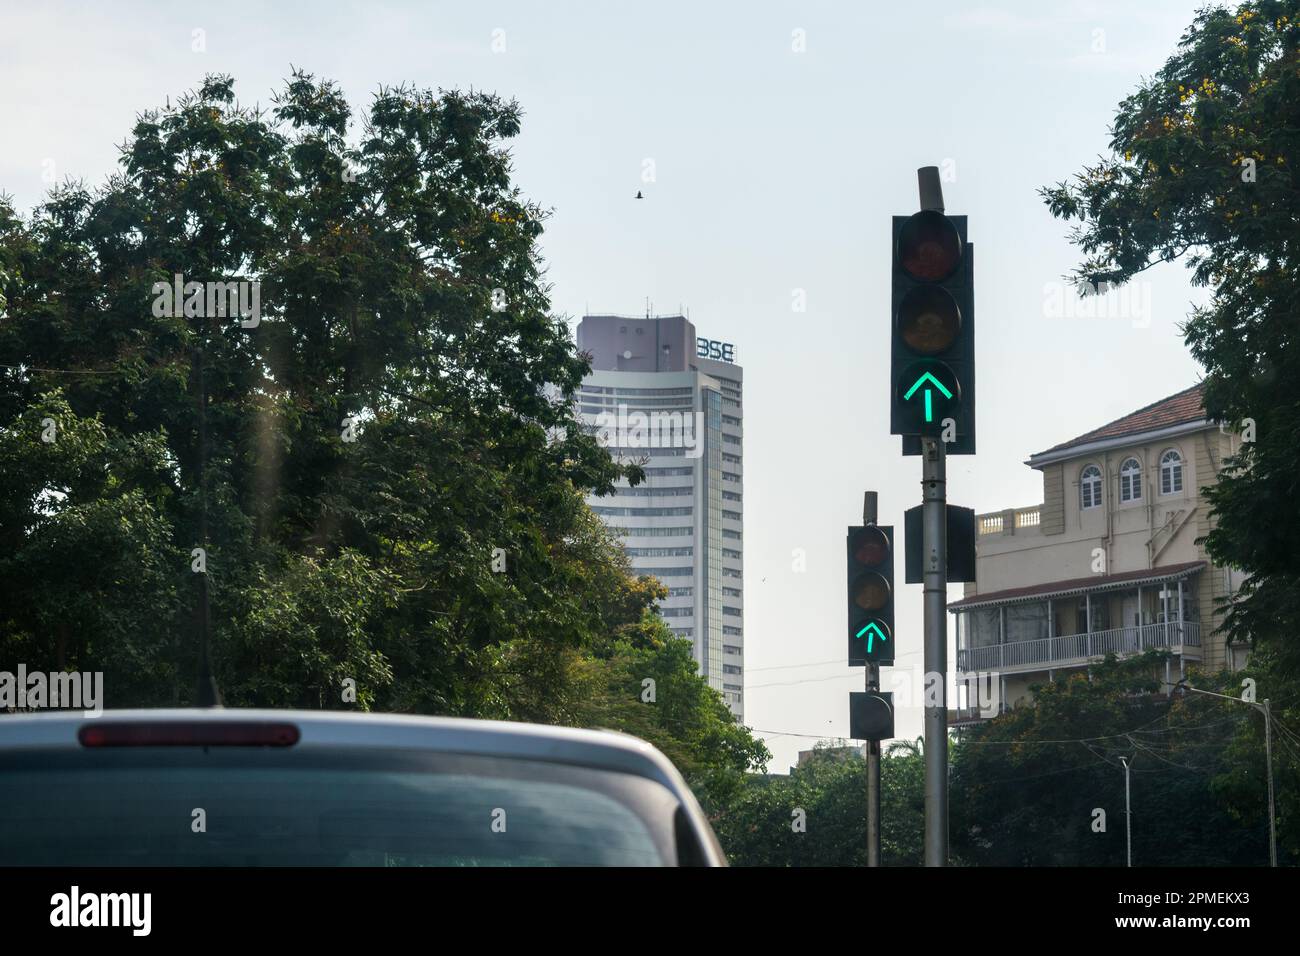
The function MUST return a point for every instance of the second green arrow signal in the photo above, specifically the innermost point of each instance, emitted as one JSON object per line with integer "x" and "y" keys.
{"x": 870, "y": 578}
{"x": 928, "y": 393}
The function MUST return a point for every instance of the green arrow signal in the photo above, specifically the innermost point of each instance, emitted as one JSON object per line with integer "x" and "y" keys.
{"x": 929, "y": 405}
{"x": 875, "y": 632}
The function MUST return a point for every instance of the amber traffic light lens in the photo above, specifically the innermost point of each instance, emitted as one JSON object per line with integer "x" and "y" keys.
{"x": 870, "y": 546}
{"x": 929, "y": 247}
{"x": 871, "y": 591}
{"x": 929, "y": 320}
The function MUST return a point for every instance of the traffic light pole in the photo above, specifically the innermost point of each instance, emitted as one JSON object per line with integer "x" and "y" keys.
{"x": 873, "y": 746}
{"x": 873, "y": 779}
{"x": 935, "y": 554}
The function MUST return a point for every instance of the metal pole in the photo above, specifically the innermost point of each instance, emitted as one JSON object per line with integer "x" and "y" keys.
{"x": 873, "y": 779}
{"x": 1268, "y": 757}
{"x": 935, "y": 551}
{"x": 1272, "y": 813}
{"x": 869, "y": 515}
{"x": 1128, "y": 815}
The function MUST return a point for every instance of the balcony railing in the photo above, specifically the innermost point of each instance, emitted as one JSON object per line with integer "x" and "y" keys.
{"x": 1077, "y": 648}
{"x": 1009, "y": 521}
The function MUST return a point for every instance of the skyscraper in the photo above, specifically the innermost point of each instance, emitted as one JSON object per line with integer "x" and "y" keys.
{"x": 657, "y": 394}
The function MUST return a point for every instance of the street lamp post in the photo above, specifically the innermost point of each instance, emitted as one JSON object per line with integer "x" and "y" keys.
{"x": 1265, "y": 708}
{"x": 1128, "y": 815}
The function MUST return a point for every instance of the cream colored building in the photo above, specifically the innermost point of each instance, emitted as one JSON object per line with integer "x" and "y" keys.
{"x": 1108, "y": 563}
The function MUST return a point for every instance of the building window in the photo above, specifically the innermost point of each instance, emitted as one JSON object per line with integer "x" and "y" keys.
{"x": 1130, "y": 480}
{"x": 1171, "y": 473}
{"x": 1090, "y": 487}
{"x": 662, "y": 573}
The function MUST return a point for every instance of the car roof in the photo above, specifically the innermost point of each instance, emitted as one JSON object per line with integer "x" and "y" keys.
{"x": 590, "y": 748}
{"x": 598, "y": 749}
{"x": 601, "y": 749}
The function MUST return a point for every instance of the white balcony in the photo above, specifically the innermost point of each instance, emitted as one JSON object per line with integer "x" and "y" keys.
{"x": 1078, "y": 649}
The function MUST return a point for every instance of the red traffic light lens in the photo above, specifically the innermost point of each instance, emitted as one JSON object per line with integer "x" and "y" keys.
{"x": 870, "y": 546}
{"x": 929, "y": 248}
{"x": 929, "y": 319}
{"x": 871, "y": 591}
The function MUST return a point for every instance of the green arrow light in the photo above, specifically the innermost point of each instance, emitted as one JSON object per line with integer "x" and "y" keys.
{"x": 873, "y": 631}
{"x": 929, "y": 402}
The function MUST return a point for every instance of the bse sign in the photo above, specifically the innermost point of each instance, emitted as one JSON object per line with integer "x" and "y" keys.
{"x": 713, "y": 349}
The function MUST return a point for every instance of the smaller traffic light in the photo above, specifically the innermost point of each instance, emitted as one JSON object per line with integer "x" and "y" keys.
{"x": 871, "y": 715}
{"x": 871, "y": 594}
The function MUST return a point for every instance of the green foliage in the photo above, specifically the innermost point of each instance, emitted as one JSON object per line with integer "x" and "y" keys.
{"x": 1204, "y": 166}
{"x": 378, "y": 247}
{"x": 646, "y": 683}
{"x": 86, "y": 546}
{"x": 1026, "y": 785}
{"x": 759, "y": 827}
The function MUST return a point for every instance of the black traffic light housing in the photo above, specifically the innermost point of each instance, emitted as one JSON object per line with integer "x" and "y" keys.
{"x": 932, "y": 331}
{"x": 871, "y": 715}
{"x": 961, "y": 544}
{"x": 870, "y": 580}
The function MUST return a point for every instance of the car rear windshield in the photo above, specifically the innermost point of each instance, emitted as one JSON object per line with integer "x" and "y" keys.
{"x": 191, "y": 806}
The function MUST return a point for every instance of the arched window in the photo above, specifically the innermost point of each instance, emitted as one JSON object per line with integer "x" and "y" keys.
{"x": 1090, "y": 487}
{"x": 1130, "y": 480}
{"x": 1171, "y": 473}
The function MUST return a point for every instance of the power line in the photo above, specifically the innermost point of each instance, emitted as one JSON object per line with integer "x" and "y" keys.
{"x": 62, "y": 371}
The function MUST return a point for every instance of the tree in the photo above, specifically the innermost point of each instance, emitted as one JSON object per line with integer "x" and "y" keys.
{"x": 644, "y": 682}
{"x": 1043, "y": 785}
{"x": 380, "y": 464}
{"x": 1203, "y": 167}
{"x": 816, "y": 816}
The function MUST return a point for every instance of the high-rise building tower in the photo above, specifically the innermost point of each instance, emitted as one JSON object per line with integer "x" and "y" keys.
{"x": 660, "y": 396}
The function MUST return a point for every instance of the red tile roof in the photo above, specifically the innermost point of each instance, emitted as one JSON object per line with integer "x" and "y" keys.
{"x": 1185, "y": 406}
{"x": 1090, "y": 583}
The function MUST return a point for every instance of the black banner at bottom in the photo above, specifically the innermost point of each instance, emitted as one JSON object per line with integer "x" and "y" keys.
{"x": 215, "y": 905}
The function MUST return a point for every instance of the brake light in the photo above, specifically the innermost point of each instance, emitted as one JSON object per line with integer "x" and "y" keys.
{"x": 189, "y": 733}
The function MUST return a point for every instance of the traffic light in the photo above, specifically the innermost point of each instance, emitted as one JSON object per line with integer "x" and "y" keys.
{"x": 871, "y": 715}
{"x": 871, "y": 594}
{"x": 961, "y": 544}
{"x": 932, "y": 343}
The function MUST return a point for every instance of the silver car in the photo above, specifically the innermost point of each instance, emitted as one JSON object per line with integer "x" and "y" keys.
{"x": 311, "y": 788}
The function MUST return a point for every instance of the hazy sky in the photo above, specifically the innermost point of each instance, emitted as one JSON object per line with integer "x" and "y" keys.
{"x": 774, "y": 171}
